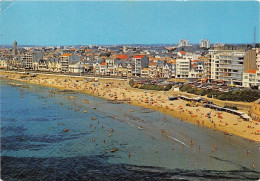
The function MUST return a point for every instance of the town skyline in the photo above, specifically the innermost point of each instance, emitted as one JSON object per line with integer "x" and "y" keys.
{"x": 124, "y": 23}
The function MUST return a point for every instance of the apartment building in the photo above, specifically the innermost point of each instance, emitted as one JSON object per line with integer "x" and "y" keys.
{"x": 250, "y": 60}
{"x": 182, "y": 68}
{"x": 64, "y": 60}
{"x": 152, "y": 69}
{"x": 197, "y": 69}
{"x": 227, "y": 65}
{"x": 183, "y": 43}
{"x": 251, "y": 78}
{"x": 139, "y": 62}
{"x": 204, "y": 43}
{"x": 27, "y": 60}
{"x": 78, "y": 67}
{"x": 67, "y": 59}
{"x": 3, "y": 64}
{"x": 110, "y": 66}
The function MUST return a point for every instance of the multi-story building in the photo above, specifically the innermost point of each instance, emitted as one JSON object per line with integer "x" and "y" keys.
{"x": 251, "y": 78}
{"x": 64, "y": 60}
{"x": 197, "y": 69}
{"x": 145, "y": 72}
{"x": 167, "y": 70}
{"x": 152, "y": 69}
{"x": 102, "y": 68}
{"x": 183, "y": 43}
{"x": 120, "y": 68}
{"x": 110, "y": 66}
{"x": 258, "y": 59}
{"x": 227, "y": 65}
{"x": 182, "y": 68}
{"x": 54, "y": 65}
{"x": 27, "y": 60}
{"x": 218, "y": 45}
{"x": 174, "y": 68}
{"x": 78, "y": 67}
{"x": 67, "y": 59}
{"x": 139, "y": 62}
{"x": 250, "y": 60}
{"x": 159, "y": 69}
{"x": 204, "y": 43}
{"x": 3, "y": 64}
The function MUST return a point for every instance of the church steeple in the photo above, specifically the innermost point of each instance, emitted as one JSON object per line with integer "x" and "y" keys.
{"x": 15, "y": 50}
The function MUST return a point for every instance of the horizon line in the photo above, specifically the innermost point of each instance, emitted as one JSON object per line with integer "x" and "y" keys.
{"x": 126, "y": 44}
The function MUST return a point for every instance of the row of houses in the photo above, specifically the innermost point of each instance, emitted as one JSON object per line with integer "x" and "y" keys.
{"x": 229, "y": 66}
{"x": 120, "y": 65}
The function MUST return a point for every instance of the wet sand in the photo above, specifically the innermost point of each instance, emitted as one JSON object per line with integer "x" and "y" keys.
{"x": 120, "y": 91}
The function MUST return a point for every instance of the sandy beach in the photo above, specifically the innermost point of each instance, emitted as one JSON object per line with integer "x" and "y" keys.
{"x": 119, "y": 90}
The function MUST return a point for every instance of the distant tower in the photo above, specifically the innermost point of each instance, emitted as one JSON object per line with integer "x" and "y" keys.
{"x": 254, "y": 37}
{"x": 204, "y": 43}
{"x": 15, "y": 50}
{"x": 183, "y": 43}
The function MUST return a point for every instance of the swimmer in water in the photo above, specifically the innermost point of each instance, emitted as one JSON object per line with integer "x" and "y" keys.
{"x": 253, "y": 166}
{"x": 247, "y": 152}
{"x": 191, "y": 142}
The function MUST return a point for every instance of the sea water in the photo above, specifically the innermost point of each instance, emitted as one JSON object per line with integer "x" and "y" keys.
{"x": 34, "y": 145}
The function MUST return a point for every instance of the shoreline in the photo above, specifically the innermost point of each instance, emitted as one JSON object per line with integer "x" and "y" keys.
{"x": 120, "y": 90}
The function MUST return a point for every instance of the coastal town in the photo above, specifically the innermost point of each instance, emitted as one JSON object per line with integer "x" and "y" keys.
{"x": 186, "y": 81}
{"x": 230, "y": 65}
{"x": 129, "y": 90}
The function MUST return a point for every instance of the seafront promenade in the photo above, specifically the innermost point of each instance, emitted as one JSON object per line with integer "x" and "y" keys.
{"x": 119, "y": 90}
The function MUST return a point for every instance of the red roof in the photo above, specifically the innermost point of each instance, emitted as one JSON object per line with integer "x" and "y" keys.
{"x": 138, "y": 56}
{"x": 152, "y": 64}
{"x": 122, "y": 56}
{"x": 103, "y": 63}
{"x": 195, "y": 60}
{"x": 251, "y": 71}
{"x": 183, "y": 52}
{"x": 66, "y": 55}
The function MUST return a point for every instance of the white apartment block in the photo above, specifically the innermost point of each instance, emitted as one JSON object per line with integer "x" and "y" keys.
{"x": 27, "y": 60}
{"x": 110, "y": 66}
{"x": 251, "y": 78}
{"x": 204, "y": 43}
{"x": 182, "y": 68}
{"x": 227, "y": 65}
{"x": 183, "y": 43}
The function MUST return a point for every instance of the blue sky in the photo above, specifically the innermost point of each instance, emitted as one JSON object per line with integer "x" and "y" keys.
{"x": 127, "y": 22}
